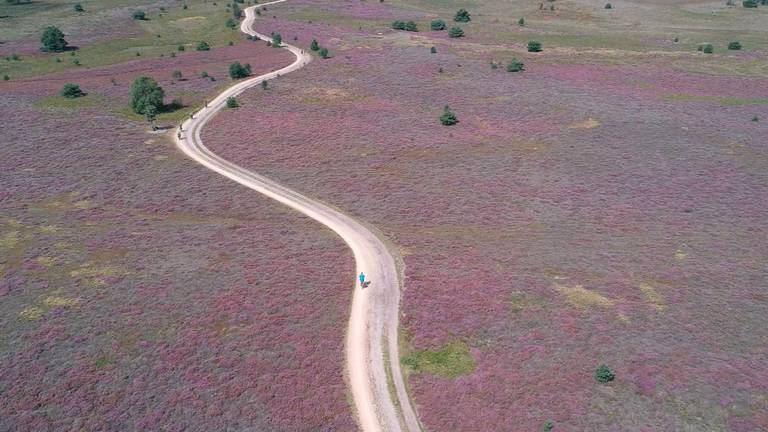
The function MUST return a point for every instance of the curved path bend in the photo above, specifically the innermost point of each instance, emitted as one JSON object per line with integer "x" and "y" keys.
{"x": 372, "y": 359}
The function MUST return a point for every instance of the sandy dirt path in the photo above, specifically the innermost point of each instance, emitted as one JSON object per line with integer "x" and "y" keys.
{"x": 372, "y": 359}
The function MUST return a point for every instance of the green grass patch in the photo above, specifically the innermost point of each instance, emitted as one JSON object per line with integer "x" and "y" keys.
{"x": 721, "y": 100}
{"x": 450, "y": 361}
{"x": 60, "y": 102}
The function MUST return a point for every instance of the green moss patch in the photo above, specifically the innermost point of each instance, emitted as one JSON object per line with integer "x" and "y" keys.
{"x": 450, "y": 361}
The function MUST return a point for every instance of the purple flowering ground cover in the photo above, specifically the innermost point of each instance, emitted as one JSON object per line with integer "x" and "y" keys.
{"x": 588, "y": 210}
{"x": 139, "y": 291}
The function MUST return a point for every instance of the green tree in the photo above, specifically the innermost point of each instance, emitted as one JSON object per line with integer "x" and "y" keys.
{"x": 433, "y": 50}
{"x": 448, "y": 118}
{"x": 231, "y": 23}
{"x": 314, "y": 46}
{"x": 706, "y": 48}
{"x": 398, "y": 25}
{"x": 547, "y": 426}
{"x": 411, "y": 26}
{"x": 146, "y": 96}
{"x": 203, "y": 46}
{"x": 749, "y": 3}
{"x": 264, "y": 85}
{"x": 455, "y": 32}
{"x": 139, "y": 15}
{"x": 71, "y": 91}
{"x": 534, "y": 46}
{"x": 323, "y": 52}
{"x": 277, "y": 40}
{"x": 608, "y": 6}
{"x": 604, "y": 374}
{"x": 53, "y": 40}
{"x": 177, "y": 75}
{"x": 180, "y": 47}
{"x": 462, "y": 16}
{"x": 515, "y": 66}
{"x": 236, "y": 12}
{"x": 232, "y": 102}
{"x": 521, "y": 22}
{"x": 437, "y": 24}
{"x": 78, "y": 7}
{"x": 735, "y": 45}
{"x": 237, "y": 70}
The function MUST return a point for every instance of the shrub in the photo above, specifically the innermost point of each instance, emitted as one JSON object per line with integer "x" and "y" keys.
{"x": 433, "y": 50}
{"x": 232, "y": 102}
{"x": 754, "y": 118}
{"x": 146, "y": 96}
{"x": 277, "y": 40}
{"x": 180, "y": 47}
{"x": 236, "y": 12}
{"x": 455, "y": 32}
{"x": 411, "y": 26}
{"x": 547, "y": 426}
{"x": 323, "y": 52}
{"x": 139, "y": 15}
{"x": 707, "y": 48}
{"x": 78, "y": 7}
{"x": 515, "y": 65}
{"x": 604, "y": 374}
{"x": 735, "y": 45}
{"x": 440, "y": 70}
{"x": 53, "y": 40}
{"x": 203, "y": 46}
{"x": 76, "y": 62}
{"x": 437, "y": 24}
{"x": 462, "y": 16}
{"x": 494, "y": 65}
{"x": 184, "y": 7}
{"x": 6, "y": 78}
{"x": 71, "y": 91}
{"x": 534, "y": 46}
{"x": 177, "y": 75}
{"x": 231, "y": 23}
{"x": 521, "y": 22}
{"x": 398, "y": 25}
{"x": 237, "y": 70}
{"x": 264, "y": 85}
{"x": 608, "y": 6}
{"x": 448, "y": 118}
{"x": 314, "y": 46}
{"x": 749, "y": 3}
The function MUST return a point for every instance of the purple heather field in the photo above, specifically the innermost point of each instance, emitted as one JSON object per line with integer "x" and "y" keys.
{"x": 578, "y": 214}
{"x": 141, "y": 292}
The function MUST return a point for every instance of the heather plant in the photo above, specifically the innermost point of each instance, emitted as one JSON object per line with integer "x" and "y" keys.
{"x": 448, "y": 118}
{"x": 323, "y": 52}
{"x": 437, "y": 24}
{"x": 604, "y": 374}
{"x": 237, "y": 70}
{"x": 53, "y": 40}
{"x": 146, "y": 95}
{"x": 71, "y": 91}
{"x": 534, "y": 46}
{"x": 455, "y": 32}
{"x": 314, "y": 46}
{"x": 78, "y": 7}
{"x": 462, "y": 15}
{"x": 203, "y": 46}
{"x": 232, "y": 102}
{"x": 139, "y": 15}
{"x": 277, "y": 40}
{"x": 734, "y": 45}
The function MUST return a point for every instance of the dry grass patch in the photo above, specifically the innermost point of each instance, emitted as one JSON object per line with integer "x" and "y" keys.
{"x": 589, "y": 123}
{"x": 582, "y": 298}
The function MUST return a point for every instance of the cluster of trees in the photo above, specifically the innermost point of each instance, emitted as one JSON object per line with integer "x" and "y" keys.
{"x": 147, "y": 98}
{"x": 237, "y": 70}
{"x": 321, "y": 51}
{"x": 403, "y": 25}
{"x": 52, "y": 40}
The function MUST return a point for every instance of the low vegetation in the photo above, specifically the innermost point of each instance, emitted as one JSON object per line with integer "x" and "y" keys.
{"x": 237, "y": 70}
{"x": 604, "y": 374}
{"x": 53, "y": 40}
{"x": 462, "y": 15}
{"x": 71, "y": 91}
{"x": 450, "y": 361}
{"x": 448, "y": 118}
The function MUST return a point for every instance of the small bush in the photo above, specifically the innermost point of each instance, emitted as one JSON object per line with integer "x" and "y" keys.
{"x": 604, "y": 374}
{"x": 754, "y": 118}
{"x": 494, "y": 65}
{"x": 749, "y": 3}
{"x": 203, "y": 74}
{"x": 608, "y": 6}
{"x": 462, "y": 16}
{"x": 398, "y": 25}
{"x": 323, "y": 52}
{"x": 53, "y": 40}
{"x": 177, "y": 75}
{"x": 455, "y": 32}
{"x": 264, "y": 85}
{"x": 76, "y": 62}
{"x": 515, "y": 65}
{"x": 78, "y": 7}
{"x": 433, "y": 50}
{"x": 230, "y": 43}
{"x": 71, "y": 91}
{"x": 521, "y": 22}
{"x": 180, "y": 48}
{"x": 437, "y": 24}
{"x": 139, "y": 15}
{"x": 448, "y": 118}
{"x": 534, "y": 46}
{"x": 237, "y": 70}
{"x": 314, "y": 46}
{"x": 231, "y": 23}
{"x": 707, "y": 49}
{"x": 735, "y": 45}
{"x": 277, "y": 40}
{"x": 440, "y": 70}
{"x": 411, "y": 26}
{"x": 6, "y": 78}
{"x": 232, "y": 102}
{"x": 547, "y": 426}
{"x": 203, "y": 46}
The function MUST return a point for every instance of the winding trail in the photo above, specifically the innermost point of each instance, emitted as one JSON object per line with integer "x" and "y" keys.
{"x": 372, "y": 359}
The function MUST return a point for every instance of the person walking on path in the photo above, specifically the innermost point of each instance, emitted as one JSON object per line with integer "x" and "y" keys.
{"x": 362, "y": 279}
